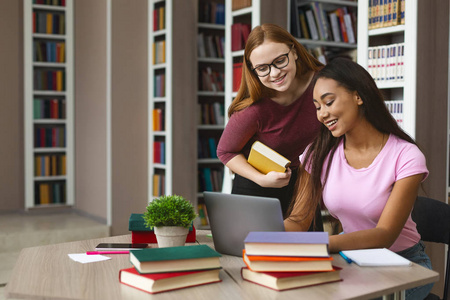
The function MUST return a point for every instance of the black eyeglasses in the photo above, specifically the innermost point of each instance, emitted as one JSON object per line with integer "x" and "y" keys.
{"x": 280, "y": 62}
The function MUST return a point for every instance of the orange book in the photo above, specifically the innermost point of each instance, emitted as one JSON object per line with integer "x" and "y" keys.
{"x": 44, "y": 193}
{"x": 59, "y": 80}
{"x": 287, "y": 263}
{"x": 49, "y": 23}
{"x": 63, "y": 164}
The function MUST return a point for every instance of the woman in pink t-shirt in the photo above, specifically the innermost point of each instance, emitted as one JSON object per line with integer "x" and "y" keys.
{"x": 363, "y": 166}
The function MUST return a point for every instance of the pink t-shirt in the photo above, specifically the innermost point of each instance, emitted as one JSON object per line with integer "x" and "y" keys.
{"x": 357, "y": 197}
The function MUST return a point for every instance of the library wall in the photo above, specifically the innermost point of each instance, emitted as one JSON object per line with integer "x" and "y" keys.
{"x": 90, "y": 108}
{"x": 432, "y": 108}
{"x": 11, "y": 102}
{"x": 129, "y": 111}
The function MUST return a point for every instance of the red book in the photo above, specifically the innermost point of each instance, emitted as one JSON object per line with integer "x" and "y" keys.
{"x": 149, "y": 237}
{"x": 236, "y": 37}
{"x": 54, "y": 109}
{"x": 281, "y": 281}
{"x": 157, "y": 152}
{"x": 237, "y": 75}
{"x": 43, "y": 143}
{"x": 161, "y": 282}
{"x": 245, "y": 30}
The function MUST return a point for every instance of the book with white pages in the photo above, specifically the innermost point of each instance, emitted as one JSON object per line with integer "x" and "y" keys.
{"x": 379, "y": 257}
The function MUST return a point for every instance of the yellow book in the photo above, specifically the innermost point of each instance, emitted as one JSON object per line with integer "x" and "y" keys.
{"x": 63, "y": 164}
{"x": 62, "y": 53}
{"x": 59, "y": 80}
{"x": 44, "y": 193}
{"x": 49, "y": 23}
{"x": 162, "y": 18}
{"x": 265, "y": 159}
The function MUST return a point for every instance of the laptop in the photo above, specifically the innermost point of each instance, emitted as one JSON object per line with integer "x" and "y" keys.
{"x": 232, "y": 217}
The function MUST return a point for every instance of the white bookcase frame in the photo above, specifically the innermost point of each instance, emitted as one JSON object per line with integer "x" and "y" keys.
{"x": 29, "y": 94}
{"x": 167, "y": 99}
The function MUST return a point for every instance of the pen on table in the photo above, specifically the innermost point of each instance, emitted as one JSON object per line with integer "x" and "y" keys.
{"x": 106, "y": 252}
{"x": 348, "y": 260}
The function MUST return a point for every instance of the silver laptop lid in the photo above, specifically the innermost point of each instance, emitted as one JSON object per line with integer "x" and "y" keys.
{"x": 232, "y": 217}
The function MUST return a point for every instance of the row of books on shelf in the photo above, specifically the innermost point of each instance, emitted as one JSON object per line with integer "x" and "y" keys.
{"x": 158, "y": 119}
{"x": 210, "y": 46}
{"x": 50, "y": 2}
{"x": 49, "y": 51}
{"x": 210, "y": 179}
{"x": 49, "y": 80}
{"x": 156, "y": 270}
{"x": 50, "y": 137}
{"x": 211, "y": 12}
{"x": 50, "y": 192}
{"x": 212, "y": 113}
{"x": 159, "y": 18}
{"x": 211, "y": 80}
{"x": 239, "y": 35}
{"x": 159, "y": 82}
{"x": 159, "y": 52}
{"x": 316, "y": 23}
{"x": 49, "y": 22}
{"x": 386, "y": 13}
{"x": 203, "y": 214}
{"x": 287, "y": 260}
{"x": 49, "y": 108}
{"x": 159, "y": 152}
{"x": 207, "y": 147}
{"x": 50, "y": 165}
{"x": 386, "y": 63}
{"x": 326, "y": 54}
{"x": 159, "y": 185}
{"x": 395, "y": 107}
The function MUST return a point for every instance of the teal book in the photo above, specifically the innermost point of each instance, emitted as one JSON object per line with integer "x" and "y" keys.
{"x": 174, "y": 259}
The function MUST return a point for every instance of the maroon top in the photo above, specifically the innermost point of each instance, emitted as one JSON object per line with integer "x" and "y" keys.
{"x": 286, "y": 129}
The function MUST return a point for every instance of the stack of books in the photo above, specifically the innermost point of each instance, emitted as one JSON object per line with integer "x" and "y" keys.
{"x": 158, "y": 270}
{"x": 140, "y": 233}
{"x": 287, "y": 260}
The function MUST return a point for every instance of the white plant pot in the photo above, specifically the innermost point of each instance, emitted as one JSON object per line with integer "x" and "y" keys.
{"x": 171, "y": 236}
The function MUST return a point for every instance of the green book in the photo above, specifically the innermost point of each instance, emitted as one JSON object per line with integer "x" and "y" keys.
{"x": 137, "y": 223}
{"x": 174, "y": 259}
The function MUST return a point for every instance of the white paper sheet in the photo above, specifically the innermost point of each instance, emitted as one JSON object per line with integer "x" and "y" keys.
{"x": 84, "y": 258}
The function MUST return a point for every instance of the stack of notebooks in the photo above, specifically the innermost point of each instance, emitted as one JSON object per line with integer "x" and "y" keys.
{"x": 287, "y": 260}
{"x": 157, "y": 270}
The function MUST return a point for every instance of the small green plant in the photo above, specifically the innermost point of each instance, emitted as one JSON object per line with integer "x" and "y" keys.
{"x": 171, "y": 210}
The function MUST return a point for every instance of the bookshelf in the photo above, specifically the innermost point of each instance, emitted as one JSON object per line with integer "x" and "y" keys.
{"x": 172, "y": 90}
{"x": 327, "y": 28}
{"x": 48, "y": 104}
{"x": 210, "y": 98}
{"x": 375, "y": 36}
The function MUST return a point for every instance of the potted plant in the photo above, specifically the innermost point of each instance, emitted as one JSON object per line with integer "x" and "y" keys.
{"x": 170, "y": 216}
